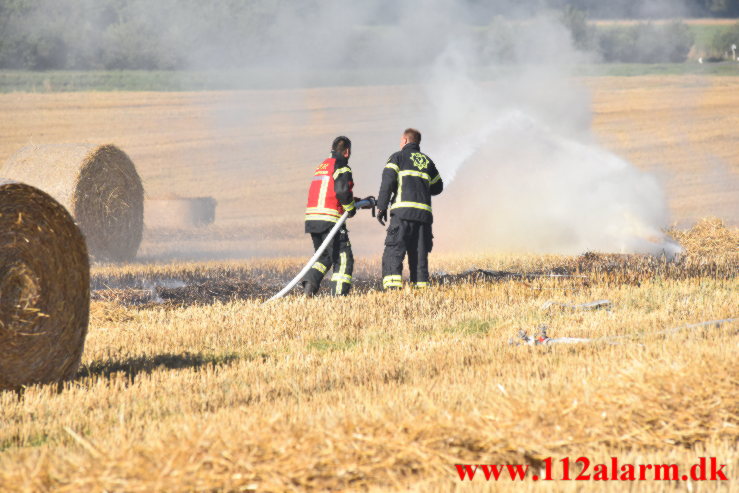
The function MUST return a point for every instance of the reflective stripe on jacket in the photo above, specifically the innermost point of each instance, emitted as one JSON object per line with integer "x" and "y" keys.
{"x": 330, "y": 193}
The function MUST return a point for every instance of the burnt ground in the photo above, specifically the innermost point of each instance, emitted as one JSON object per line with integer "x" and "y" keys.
{"x": 203, "y": 289}
{"x": 224, "y": 285}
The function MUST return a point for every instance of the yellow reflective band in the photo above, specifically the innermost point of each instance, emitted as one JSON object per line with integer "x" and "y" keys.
{"x": 341, "y": 171}
{"x": 392, "y": 281}
{"x": 393, "y": 166}
{"x": 322, "y": 210}
{"x": 320, "y": 267}
{"x": 321, "y": 217}
{"x": 418, "y": 174}
{"x": 435, "y": 180}
{"x": 414, "y": 205}
{"x": 322, "y": 193}
{"x": 341, "y": 276}
{"x": 348, "y": 207}
{"x": 421, "y": 284}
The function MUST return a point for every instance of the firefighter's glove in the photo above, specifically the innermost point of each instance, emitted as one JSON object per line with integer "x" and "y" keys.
{"x": 353, "y": 212}
{"x": 382, "y": 216}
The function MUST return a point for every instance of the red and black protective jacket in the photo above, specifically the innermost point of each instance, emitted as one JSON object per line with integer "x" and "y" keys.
{"x": 330, "y": 194}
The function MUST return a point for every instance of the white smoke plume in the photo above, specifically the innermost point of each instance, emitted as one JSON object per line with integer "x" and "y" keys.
{"x": 522, "y": 168}
{"x": 508, "y": 126}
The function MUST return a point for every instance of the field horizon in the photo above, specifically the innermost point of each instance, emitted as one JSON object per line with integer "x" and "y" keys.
{"x": 212, "y": 143}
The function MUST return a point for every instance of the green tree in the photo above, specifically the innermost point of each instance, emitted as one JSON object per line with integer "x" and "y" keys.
{"x": 722, "y": 42}
{"x": 576, "y": 21}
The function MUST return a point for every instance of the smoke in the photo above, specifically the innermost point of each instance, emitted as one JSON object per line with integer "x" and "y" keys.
{"x": 508, "y": 126}
{"x": 525, "y": 186}
{"x": 522, "y": 170}
{"x": 494, "y": 97}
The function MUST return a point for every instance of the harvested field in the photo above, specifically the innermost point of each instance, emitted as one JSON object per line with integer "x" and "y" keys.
{"x": 175, "y": 212}
{"x": 190, "y": 383}
{"x": 682, "y": 129}
{"x": 217, "y": 144}
{"x": 711, "y": 250}
{"x": 388, "y": 391}
{"x": 198, "y": 285}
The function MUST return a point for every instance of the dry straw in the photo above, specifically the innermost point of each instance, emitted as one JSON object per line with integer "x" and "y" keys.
{"x": 99, "y": 185}
{"x": 44, "y": 288}
{"x": 173, "y": 212}
{"x": 709, "y": 237}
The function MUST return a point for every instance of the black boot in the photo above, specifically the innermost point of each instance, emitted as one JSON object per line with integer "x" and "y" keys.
{"x": 309, "y": 289}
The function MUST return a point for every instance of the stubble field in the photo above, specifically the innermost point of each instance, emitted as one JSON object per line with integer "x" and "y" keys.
{"x": 252, "y": 150}
{"x": 190, "y": 383}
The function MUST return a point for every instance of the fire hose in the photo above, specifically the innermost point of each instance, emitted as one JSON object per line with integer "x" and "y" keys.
{"x": 366, "y": 203}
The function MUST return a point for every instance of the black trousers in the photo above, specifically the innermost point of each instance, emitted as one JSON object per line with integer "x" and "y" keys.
{"x": 415, "y": 239}
{"x": 339, "y": 254}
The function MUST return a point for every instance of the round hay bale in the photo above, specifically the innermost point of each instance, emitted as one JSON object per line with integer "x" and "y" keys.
{"x": 44, "y": 288}
{"x": 99, "y": 186}
{"x": 174, "y": 212}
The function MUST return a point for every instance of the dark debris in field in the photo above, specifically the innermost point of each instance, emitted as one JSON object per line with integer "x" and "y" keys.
{"x": 168, "y": 292}
{"x": 223, "y": 285}
{"x": 196, "y": 291}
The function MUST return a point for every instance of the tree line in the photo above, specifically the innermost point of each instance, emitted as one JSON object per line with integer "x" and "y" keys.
{"x": 185, "y": 34}
{"x": 651, "y": 9}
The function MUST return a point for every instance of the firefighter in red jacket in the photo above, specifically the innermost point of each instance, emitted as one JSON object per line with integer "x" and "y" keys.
{"x": 409, "y": 180}
{"x": 329, "y": 196}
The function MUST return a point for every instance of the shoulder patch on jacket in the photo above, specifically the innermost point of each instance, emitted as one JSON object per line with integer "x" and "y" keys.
{"x": 420, "y": 161}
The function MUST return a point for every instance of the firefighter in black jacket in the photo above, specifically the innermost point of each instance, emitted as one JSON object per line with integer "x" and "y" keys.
{"x": 409, "y": 180}
{"x": 329, "y": 196}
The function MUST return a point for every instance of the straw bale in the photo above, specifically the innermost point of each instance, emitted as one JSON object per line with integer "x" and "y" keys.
{"x": 174, "y": 212}
{"x": 709, "y": 237}
{"x": 44, "y": 288}
{"x": 98, "y": 185}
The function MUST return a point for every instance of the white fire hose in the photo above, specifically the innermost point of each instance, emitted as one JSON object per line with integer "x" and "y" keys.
{"x": 368, "y": 203}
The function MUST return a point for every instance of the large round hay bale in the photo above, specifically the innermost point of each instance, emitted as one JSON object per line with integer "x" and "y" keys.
{"x": 44, "y": 288}
{"x": 173, "y": 212}
{"x": 99, "y": 185}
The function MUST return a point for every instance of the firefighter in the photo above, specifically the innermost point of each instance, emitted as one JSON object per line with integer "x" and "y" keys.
{"x": 329, "y": 196}
{"x": 409, "y": 180}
